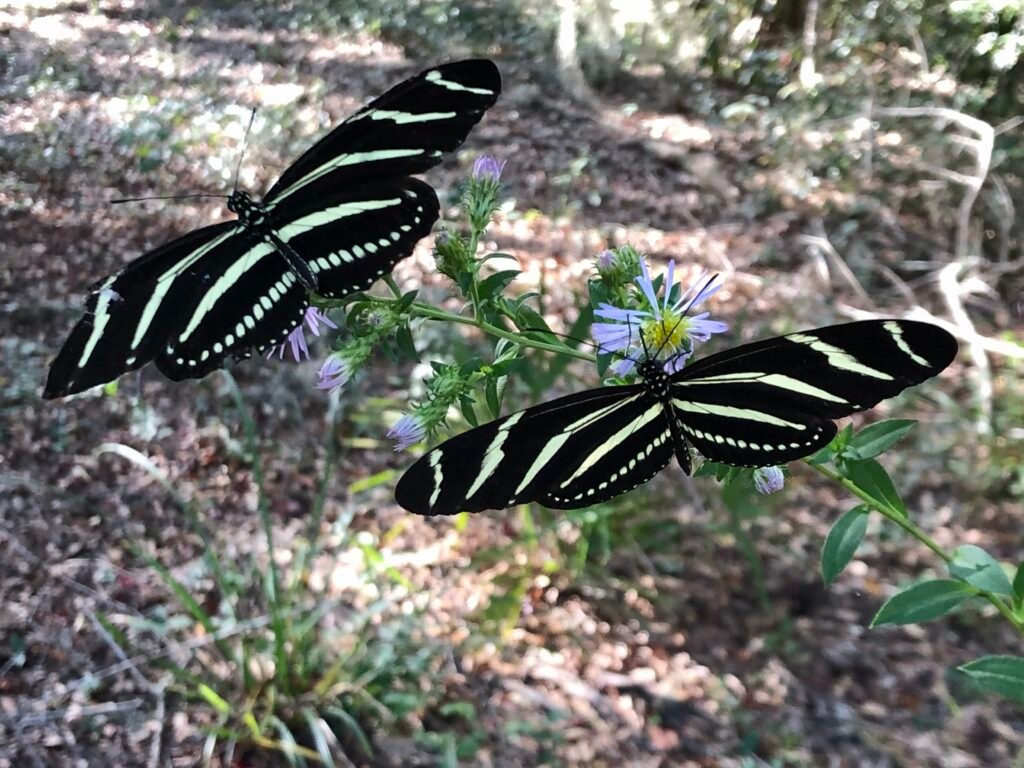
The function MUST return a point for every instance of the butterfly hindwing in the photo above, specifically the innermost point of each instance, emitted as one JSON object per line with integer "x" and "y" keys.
{"x": 250, "y": 299}
{"x": 571, "y": 452}
{"x": 130, "y": 314}
{"x": 357, "y": 234}
{"x": 774, "y": 400}
{"x": 405, "y": 131}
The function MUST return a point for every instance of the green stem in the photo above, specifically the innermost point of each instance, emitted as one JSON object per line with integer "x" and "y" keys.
{"x": 907, "y": 525}
{"x": 263, "y": 507}
{"x": 419, "y": 309}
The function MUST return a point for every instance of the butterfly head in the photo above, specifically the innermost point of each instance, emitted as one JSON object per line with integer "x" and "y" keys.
{"x": 243, "y": 206}
{"x": 656, "y": 381}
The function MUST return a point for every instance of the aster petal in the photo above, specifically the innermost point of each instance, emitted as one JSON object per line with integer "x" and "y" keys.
{"x": 610, "y": 312}
{"x": 611, "y": 337}
{"x": 333, "y": 374}
{"x": 623, "y": 367}
{"x": 644, "y": 281}
{"x": 701, "y": 329}
{"x": 407, "y": 431}
{"x": 676, "y": 363}
{"x": 768, "y": 479}
{"x": 669, "y": 281}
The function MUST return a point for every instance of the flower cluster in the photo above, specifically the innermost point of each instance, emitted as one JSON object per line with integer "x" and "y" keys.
{"x": 444, "y": 389}
{"x": 374, "y": 325}
{"x": 296, "y": 340}
{"x": 481, "y": 199}
{"x": 653, "y": 327}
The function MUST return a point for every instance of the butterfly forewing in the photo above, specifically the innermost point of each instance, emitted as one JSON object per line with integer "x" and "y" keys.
{"x": 568, "y": 453}
{"x": 405, "y": 131}
{"x": 773, "y": 401}
{"x": 130, "y": 315}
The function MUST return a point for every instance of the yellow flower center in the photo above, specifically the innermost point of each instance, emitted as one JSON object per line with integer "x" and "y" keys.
{"x": 665, "y": 334}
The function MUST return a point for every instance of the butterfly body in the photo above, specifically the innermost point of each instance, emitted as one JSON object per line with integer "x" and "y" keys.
{"x": 756, "y": 405}
{"x": 337, "y": 220}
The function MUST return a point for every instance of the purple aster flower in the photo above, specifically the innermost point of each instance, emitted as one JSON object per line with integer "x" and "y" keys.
{"x": 487, "y": 168}
{"x": 605, "y": 261}
{"x": 660, "y": 326}
{"x": 768, "y": 479}
{"x": 297, "y": 338}
{"x": 407, "y": 431}
{"x": 334, "y": 373}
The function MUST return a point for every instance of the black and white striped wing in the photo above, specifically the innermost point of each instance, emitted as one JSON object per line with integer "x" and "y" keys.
{"x": 569, "y": 453}
{"x": 251, "y": 300}
{"x": 130, "y": 315}
{"x": 773, "y": 401}
{"x": 405, "y": 131}
{"x": 354, "y": 236}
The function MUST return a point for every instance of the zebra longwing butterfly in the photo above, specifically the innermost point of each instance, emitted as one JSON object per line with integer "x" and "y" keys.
{"x": 339, "y": 218}
{"x": 757, "y": 405}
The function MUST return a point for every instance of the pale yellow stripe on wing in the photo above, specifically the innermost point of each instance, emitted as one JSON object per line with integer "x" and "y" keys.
{"x": 493, "y": 455}
{"x": 101, "y": 316}
{"x": 334, "y": 213}
{"x": 897, "y": 336}
{"x": 352, "y": 158}
{"x": 166, "y": 280}
{"x": 732, "y": 412}
{"x": 615, "y": 440}
{"x": 555, "y": 444}
{"x": 779, "y": 380}
{"x": 838, "y": 358}
{"x": 231, "y": 276}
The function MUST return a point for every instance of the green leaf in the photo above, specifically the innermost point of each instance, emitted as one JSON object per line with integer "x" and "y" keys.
{"x": 979, "y": 569}
{"x": 372, "y": 481}
{"x": 466, "y": 404}
{"x": 1000, "y": 674}
{"x": 877, "y": 438}
{"x": 871, "y": 477}
{"x": 492, "y": 397}
{"x": 842, "y": 542}
{"x": 213, "y": 699}
{"x": 407, "y": 299}
{"x": 923, "y": 602}
{"x": 823, "y": 456}
{"x": 349, "y": 723}
{"x": 496, "y": 283}
{"x": 405, "y": 344}
{"x": 1018, "y": 583}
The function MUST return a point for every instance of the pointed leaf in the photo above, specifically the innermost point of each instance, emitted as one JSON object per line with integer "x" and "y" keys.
{"x": 871, "y": 477}
{"x": 1000, "y": 674}
{"x": 923, "y": 602}
{"x": 875, "y": 439}
{"x": 405, "y": 343}
{"x": 842, "y": 542}
{"x": 979, "y": 569}
{"x": 496, "y": 283}
{"x": 467, "y": 410}
{"x": 1018, "y": 583}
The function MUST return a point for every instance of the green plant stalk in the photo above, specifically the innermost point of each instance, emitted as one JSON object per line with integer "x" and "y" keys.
{"x": 907, "y": 525}
{"x": 432, "y": 313}
{"x": 276, "y": 619}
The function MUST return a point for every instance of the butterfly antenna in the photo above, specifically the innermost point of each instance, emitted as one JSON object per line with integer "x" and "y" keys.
{"x": 165, "y": 197}
{"x": 707, "y": 284}
{"x": 245, "y": 142}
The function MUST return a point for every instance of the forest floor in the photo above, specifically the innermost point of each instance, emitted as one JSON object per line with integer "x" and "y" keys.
{"x": 670, "y": 657}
